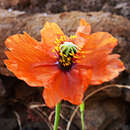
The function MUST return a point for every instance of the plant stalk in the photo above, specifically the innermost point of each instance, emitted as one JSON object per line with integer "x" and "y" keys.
{"x": 57, "y": 116}
{"x": 82, "y": 108}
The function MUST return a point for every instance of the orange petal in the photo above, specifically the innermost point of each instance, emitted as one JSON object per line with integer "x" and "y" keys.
{"x": 82, "y": 33}
{"x": 28, "y": 60}
{"x": 73, "y": 88}
{"x": 106, "y": 69}
{"x": 50, "y": 32}
{"x": 67, "y": 86}
{"x": 86, "y": 75}
{"x": 100, "y": 41}
{"x": 39, "y": 76}
{"x": 84, "y": 27}
{"x": 50, "y": 94}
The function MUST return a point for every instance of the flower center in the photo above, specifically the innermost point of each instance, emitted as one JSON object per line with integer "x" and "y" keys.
{"x": 66, "y": 55}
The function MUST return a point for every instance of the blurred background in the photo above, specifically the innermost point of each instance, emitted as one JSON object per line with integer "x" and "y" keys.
{"x": 120, "y": 7}
{"x": 22, "y": 107}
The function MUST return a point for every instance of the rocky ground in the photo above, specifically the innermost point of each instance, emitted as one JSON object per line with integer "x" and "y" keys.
{"x": 20, "y": 104}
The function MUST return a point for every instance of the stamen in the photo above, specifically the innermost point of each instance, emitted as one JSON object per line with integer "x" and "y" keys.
{"x": 67, "y": 52}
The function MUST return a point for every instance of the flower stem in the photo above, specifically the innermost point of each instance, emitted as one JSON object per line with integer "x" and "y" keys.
{"x": 57, "y": 116}
{"x": 82, "y": 108}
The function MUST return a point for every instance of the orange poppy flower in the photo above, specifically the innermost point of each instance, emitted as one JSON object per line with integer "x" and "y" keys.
{"x": 65, "y": 66}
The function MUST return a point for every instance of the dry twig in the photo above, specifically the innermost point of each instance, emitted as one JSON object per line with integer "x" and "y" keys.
{"x": 36, "y": 108}
{"x": 18, "y": 120}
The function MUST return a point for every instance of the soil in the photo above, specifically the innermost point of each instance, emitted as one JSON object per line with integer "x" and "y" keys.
{"x": 20, "y": 105}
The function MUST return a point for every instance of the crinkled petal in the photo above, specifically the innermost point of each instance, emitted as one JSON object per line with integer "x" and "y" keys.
{"x": 82, "y": 33}
{"x": 29, "y": 61}
{"x": 49, "y": 33}
{"x": 100, "y": 41}
{"x": 104, "y": 67}
{"x": 67, "y": 86}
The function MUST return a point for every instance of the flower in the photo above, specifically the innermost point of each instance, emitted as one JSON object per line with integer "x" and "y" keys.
{"x": 63, "y": 65}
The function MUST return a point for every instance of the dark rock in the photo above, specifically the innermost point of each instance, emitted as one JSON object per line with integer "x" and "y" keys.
{"x": 7, "y": 118}
{"x": 113, "y": 92}
{"x": 118, "y": 7}
{"x": 35, "y": 126}
{"x": 127, "y": 94}
{"x": 8, "y": 3}
{"x": 2, "y": 89}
